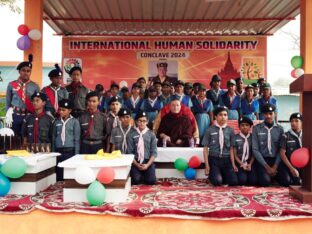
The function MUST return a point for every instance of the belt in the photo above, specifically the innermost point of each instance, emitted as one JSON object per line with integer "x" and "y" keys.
{"x": 65, "y": 149}
{"x": 218, "y": 155}
{"x": 20, "y": 111}
{"x": 90, "y": 142}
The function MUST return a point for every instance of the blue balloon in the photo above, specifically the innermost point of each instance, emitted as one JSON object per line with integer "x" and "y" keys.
{"x": 190, "y": 173}
{"x": 5, "y": 185}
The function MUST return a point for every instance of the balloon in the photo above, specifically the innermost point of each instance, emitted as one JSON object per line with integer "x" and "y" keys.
{"x": 299, "y": 72}
{"x": 96, "y": 194}
{"x": 14, "y": 168}
{"x": 180, "y": 164}
{"x": 296, "y": 62}
{"x": 84, "y": 175}
{"x": 34, "y": 34}
{"x": 5, "y": 185}
{"x": 293, "y": 74}
{"x": 300, "y": 157}
{"x": 23, "y": 29}
{"x": 190, "y": 173}
{"x": 106, "y": 175}
{"x": 23, "y": 43}
{"x": 194, "y": 162}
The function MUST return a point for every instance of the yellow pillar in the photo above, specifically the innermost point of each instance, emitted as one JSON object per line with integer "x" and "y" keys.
{"x": 33, "y": 11}
{"x": 306, "y": 34}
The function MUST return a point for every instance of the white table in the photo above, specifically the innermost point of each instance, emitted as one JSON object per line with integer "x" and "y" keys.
{"x": 165, "y": 161}
{"x": 39, "y": 175}
{"x": 116, "y": 192}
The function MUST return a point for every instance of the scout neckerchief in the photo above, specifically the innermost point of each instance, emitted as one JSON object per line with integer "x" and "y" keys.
{"x": 20, "y": 88}
{"x": 116, "y": 119}
{"x": 221, "y": 137}
{"x": 299, "y": 137}
{"x": 201, "y": 101}
{"x": 245, "y": 154}
{"x": 36, "y": 127}
{"x": 52, "y": 95}
{"x": 64, "y": 128}
{"x": 140, "y": 148}
{"x": 269, "y": 137}
{"x": 124, "y": 140}
{"x": 152, "y": 102}
{"x": 92, "y": 115}
{"x": 75, "y": 87}
{"x": 134, "y": 102}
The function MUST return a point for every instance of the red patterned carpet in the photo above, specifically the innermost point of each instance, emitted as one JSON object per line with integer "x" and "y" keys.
{"x": 178, "y": 199}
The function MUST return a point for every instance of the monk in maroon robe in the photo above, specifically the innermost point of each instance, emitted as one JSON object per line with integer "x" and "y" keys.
{"x": 175, "y": 128}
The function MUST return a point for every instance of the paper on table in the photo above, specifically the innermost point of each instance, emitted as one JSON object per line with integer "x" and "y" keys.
{"x": 18, "y": 153}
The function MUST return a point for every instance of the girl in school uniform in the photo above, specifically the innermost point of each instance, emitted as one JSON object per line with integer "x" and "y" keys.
{"x": 202, "y": 109}
{"x": 249, "y": 105}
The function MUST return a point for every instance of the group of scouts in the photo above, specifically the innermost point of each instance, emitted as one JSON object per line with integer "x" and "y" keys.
{"x": 77, "y": 120}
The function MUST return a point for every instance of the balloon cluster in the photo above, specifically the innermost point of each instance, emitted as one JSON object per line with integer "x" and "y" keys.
{"x": 24, "y": 42}
{"x": 189, "y": 167}
{"x": 96, "y": 191}
{"x": 296, "y": 63}
{"x": 13, "y": 168}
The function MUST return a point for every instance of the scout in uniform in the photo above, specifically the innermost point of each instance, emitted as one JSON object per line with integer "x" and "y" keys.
{"x": 143, "y": 144}
{"x": 18, "y": 97}
{"x": 243, "y": 153}
{"x": 179, "y": 94}
{"x": 142, "y": 83}
{"x": 218, "y": 152}
{"x": 157, "y": 86}
{"x": 152, "y": 105}
{"x": 203, "y": 111}
{"x": 66, "y": 135}
{"x": 37, "y": 127}
{"x": 266, "y": 138}
{"x": 100, "y": 90}
{"x": 77, "y": 91}
{"x": 249, "y": 105}
{"x": 291, "y": 141}
{"x": 256, "y": 87}
{"x": 195, "y": 88}
{"x": 114, "y": 93}
{"x": 165, "y": 93}
{"x": 162, "y": 74}
{"x": 92, "y": 125}
{"x": 267, "y": 98}
{"x": 231, "y": 100}
{"x": 54, "y": 91}
{"x": 112, "y": 120}
{"x": 120, "y": 135}
{"x": 135, "y": 101}
{"x": 239, "y": 87}
{"x": 188, "y": 89}
{"x": 215, "y": 92}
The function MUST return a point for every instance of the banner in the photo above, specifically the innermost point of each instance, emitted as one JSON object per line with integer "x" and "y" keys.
{"x": 192, "y": 59}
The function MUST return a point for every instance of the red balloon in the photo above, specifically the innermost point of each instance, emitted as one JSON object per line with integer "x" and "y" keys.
{"x": 106, "y": 175}
{"x": 293, "y": 73}
{"x": 194, "y": 162}
{"x": 300, "y": 157}
{"x": 23, "y": 29}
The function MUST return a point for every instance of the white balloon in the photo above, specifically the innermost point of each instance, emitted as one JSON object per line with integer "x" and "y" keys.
{"x": 299, "y": 72}
{"x": 34, "y": 34}
{"x": 84, "y": 175}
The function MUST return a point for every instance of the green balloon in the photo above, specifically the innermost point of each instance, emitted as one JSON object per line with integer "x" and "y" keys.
{"x": 96, "y": 194}
{"x": 14, "y": 168}
{"x": 296, "y": 62}
{"x": 180, "y": 164}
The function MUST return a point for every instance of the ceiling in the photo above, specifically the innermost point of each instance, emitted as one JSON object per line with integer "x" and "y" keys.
{"x": 169, "y": 17}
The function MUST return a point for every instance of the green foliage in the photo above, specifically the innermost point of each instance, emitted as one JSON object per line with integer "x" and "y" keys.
{"x": 11, "y": 4}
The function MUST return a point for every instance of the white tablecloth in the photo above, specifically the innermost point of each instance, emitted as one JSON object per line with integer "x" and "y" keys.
{"x": 78, "y": 160}
{"x": 170, "y": 154}
{"x": 30, "y": 160}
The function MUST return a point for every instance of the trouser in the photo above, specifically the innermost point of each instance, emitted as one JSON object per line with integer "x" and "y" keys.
{"x": 247, "y": 177}
{"x": 66, "y": 153}
{"x": 91, "y": 147}
{"x": 143, "y": 177}
{"x": 221, "y": 171}
{"x": 288, "y": 178}
{"x": 17, "y": 123}
{"x": 264, "y": 179}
